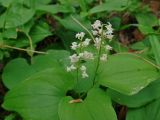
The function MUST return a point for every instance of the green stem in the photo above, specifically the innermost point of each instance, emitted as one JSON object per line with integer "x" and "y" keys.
{"x": 98, "y": 60}
{"x": 21, "y": 49}
{"x": 79, "y": 62}
{"x": 77, "y": 74}
{"x": 31, "y": 46}
{"x": 30, "y": 41}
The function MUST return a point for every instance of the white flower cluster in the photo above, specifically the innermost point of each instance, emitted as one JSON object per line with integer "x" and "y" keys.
{"x": 76, "y": 59}
{"x": 100, "y": 32}
{"x": 98, "y": 29}
{"x": 80, "y": 36}
{"x": 84, "y": 43}
{"x": 83, "y": 70}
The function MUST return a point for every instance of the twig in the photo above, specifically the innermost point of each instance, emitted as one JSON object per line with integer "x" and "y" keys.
{"x": 21, "y": 49}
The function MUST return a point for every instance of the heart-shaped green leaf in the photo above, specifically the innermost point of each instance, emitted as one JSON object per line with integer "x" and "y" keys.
{"x": 18, "y": 70}
{"x": 127, "y": 73}
{"x": 37, "y": 97}
{"x": 148, "y": 112}
{"x": 96, "y": 106}
{"x": 145, "y": 96}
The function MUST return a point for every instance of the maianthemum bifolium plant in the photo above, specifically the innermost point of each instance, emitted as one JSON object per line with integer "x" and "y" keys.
{"x": 60, "y": 86}
{"x": 102, "y": 48}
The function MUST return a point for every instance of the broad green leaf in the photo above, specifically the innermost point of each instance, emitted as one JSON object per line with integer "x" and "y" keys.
{"x": 7, "y": 3}
{"x": 30, "y": 3}
{"x": 83, "y": 5}
{"x": 134, "y": 6}
{"x": 18, "y": 69}
{"x": 148, "y": 112}
{"x": 145, "y": 96}
{"x": 109, "y": 5}
{"x": 37, "y": 97}
{"x": 145, "y": 19}
{"x": 26, "y": 27}
{"x": 10, "y": 117}
{"x": 2, "y": 20}
{"x": 40, "y": 31}
{"x": 69, "y": 2}
{"x": 96, "y": 106}
{"x": 155, "y": 45}
{"x": 146, "y": 23}
{"x": 138, "y": 45}
{"x": 70, "y": 24}
{"x": 146, "y": 29}
{"x": 127, "y": 73}
{"x": 75, "y": 3}
{"x": 37, "y": 33}
{"x": 10, "y": 33}
{"x": 89, "y": 1}
{"x": 36, "y": 3}
{"x": 119, "y": 47}
{"x": 15, "y": 16}
{"x": 53, "y": 9}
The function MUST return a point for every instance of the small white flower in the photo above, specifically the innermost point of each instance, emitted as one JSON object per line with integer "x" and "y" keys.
{"x": 97, "y": 24}
{"x": 109, "y": 28}
{"x": 83, "y": 68}
{"x": 100, "y": 31}
{"x": 79, "y": 45}
{"x": 74, "y": 58}
{"x": 86, "y": 42}
{"x": 103, "y": 57}
{"x": 94, "y": 32}
{"x": 84, "y": 75}
{"x": 87, "y": 55}
{"x": 69, "y": 69}
{"x": 97, "y": 42}
{"x": 74, "y": 46}
{"x": 72, "y": 67}
{"x": 80, "y": 35}
{"x": 81, "y": 55}
{"x": 109, "y": 37}
{"x": 108, "y": 47}
{"x": 109, "y": 31}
